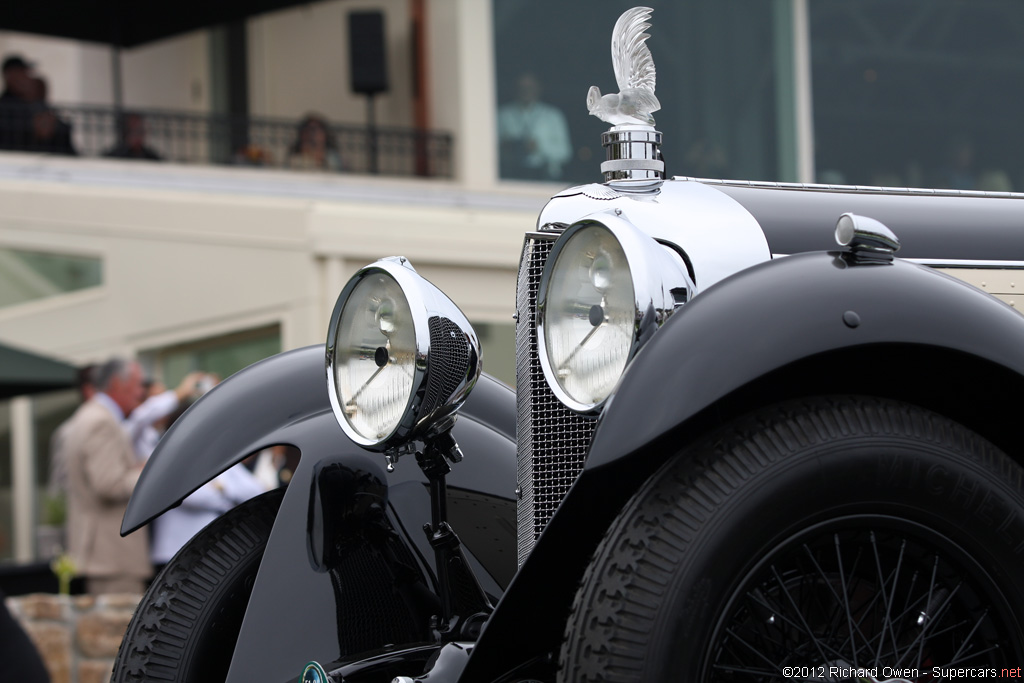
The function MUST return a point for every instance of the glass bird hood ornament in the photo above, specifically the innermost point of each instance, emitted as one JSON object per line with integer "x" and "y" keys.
{"x": 634, "y": 74}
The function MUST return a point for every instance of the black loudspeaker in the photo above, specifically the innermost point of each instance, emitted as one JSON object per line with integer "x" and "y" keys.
{"x": 369, "y": 68}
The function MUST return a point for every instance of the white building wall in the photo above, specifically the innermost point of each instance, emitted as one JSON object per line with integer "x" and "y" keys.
{"x": 230, "y": 250}
{"x": 167, "y": 74}
{"x": 299, "y": 63}
{"x": 460, "y": 49}
{"x": 76, "y": 72}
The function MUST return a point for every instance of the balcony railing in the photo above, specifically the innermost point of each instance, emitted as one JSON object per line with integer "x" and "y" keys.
{"x": 216, "y": 139}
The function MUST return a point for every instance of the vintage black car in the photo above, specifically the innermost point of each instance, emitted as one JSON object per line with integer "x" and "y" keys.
{"x": 760, "y": 432}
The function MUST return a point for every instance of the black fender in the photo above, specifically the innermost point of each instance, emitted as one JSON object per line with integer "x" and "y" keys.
{"x": 338, "y": 493}
{"x": 746, "y": 328}
{"x": 250, "y": 410}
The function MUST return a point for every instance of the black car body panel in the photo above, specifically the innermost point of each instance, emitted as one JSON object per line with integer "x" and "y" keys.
{"x": 796, "y": 308}
{"x": 339, "y": 501}
{"x": 935, "y": 225}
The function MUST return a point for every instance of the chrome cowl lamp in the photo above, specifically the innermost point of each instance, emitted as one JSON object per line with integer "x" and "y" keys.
{"x": 401, "y": 360}
{"x": 401, "y": 357}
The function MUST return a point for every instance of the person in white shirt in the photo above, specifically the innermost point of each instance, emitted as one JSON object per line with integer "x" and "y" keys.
{"x": 174, "y": 528}
{"x": 160, "y": 403}
{"x": 177, "y": 526}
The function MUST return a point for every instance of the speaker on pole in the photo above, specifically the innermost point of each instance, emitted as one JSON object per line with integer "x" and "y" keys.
{"x": 367, "y": 56}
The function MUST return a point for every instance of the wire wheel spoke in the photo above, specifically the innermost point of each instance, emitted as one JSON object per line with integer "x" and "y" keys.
{"x": 857, "y": 595}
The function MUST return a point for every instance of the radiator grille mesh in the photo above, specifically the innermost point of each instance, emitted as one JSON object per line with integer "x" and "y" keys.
{"x": 552, "y": 440}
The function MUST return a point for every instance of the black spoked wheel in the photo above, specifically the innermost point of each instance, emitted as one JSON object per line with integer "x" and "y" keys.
{"x": 843, "y": 539}
{"x": 863, "y": 596}
{"x": 186, "y": 626}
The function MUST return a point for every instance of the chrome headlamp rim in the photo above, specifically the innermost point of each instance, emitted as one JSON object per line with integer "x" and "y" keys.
{"x": 408, "y": 281}
{"x": 660, "y": 281}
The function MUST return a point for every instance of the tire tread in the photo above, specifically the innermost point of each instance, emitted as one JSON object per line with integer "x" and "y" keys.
{"x": 186, "y": 600}
{"x": 615, "y": 609}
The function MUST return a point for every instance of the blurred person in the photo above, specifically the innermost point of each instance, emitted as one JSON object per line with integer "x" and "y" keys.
{"x": 160, "y": 403}
{"x": 19, "y": 659}
{"x": 274, "y": 466}
{"x": 15, "y": 103}
{"x": 175, "y": 527}
{"x": 49, "y": 132}
{"x": 958, "y": 171}
{"x": 995, "y": 180}
{"x": 132, "y": 143}
{"x": 102, "y": 472}
{"x": 57, "y": 486}
{"x": 534, "y": 135}
{"x": 17, "y": 75}
{"x": 314, "y": 147}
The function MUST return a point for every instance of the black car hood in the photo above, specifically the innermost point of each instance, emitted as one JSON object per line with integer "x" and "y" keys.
{"x": 934, "y": 225}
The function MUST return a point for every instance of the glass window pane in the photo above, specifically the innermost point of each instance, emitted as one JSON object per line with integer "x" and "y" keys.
{"x": 222, "y": 356}
{"x": 28, "y": 275}
{"x": 716, "y": 83}
{"x": 911, "y": 93}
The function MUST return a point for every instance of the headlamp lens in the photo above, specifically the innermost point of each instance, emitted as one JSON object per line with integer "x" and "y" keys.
{"x": 375, "y": 356}
{"x": 589, "y": 315}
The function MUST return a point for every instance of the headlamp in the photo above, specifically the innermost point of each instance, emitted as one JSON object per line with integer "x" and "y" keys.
{"x": 401, "y": 357}
{"x": 606, "y": 288}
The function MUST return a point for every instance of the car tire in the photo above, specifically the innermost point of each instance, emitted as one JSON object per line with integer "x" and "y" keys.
{"x": 806, "y": 540}
{"x": 186, "y": 626}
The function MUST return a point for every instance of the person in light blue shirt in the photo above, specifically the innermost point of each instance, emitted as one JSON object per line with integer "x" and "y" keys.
{"x": 534, "y": 135}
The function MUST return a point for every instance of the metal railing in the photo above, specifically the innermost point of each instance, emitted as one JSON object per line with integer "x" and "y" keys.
{"x": 216, "y": 139}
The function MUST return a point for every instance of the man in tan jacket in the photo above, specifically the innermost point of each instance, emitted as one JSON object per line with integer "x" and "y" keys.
{"x": 102, "y": 471}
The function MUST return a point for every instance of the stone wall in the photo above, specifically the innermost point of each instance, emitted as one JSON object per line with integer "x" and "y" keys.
{"x": 78, "y": 636}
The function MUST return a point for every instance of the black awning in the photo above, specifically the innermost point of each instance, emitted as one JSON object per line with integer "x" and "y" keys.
{"x": 127, "y": 24}
{"x": 23, "y": 372}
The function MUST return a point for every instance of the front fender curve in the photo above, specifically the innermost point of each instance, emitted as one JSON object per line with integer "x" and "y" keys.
{"x": 256, "y": 408}
{"x": 238, "y": 417}
{"x": 783, "y": 311}
{"x": 741, "y": 329}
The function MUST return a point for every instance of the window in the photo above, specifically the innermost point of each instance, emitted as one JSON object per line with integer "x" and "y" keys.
{"x": 911, "y": 93}
{"x": 716, "y": 81}
{"x": 222, "y": 356}
{"x": 28, "y": 275}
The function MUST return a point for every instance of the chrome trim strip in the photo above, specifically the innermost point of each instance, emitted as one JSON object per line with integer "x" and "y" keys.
{"x": 967, "y": 263}
{"x": 862, "y": 189}
{"x": 955, "y": 263}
